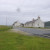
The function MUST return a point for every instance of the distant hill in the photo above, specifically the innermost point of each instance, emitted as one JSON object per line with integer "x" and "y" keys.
{"x": 47, "y": 24}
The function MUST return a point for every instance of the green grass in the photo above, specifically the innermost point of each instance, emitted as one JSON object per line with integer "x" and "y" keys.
{"x": 3, "y": 27}
{"x": 16, "y": 41}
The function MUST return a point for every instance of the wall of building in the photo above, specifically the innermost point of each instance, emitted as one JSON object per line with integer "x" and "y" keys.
{"x": 17, "y": 24}
{"x": 28, "y": 25}
{"x": 39, "y": 23}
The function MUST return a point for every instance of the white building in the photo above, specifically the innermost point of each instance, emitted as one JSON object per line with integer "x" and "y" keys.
{"x": 35, "y": 23}
{"x": 17, "y": 24}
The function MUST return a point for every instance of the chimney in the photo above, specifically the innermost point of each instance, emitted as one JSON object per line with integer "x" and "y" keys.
{"x": 38, "y": 17}
{"x": 33, "y": 19}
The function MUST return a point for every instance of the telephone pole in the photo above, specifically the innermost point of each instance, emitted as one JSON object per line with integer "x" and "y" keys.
{"x": 6, "y": 20}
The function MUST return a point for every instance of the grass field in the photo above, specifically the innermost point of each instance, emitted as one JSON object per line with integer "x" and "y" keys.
{"x": 3, "y": 27}
{"x": 16, "y": 41}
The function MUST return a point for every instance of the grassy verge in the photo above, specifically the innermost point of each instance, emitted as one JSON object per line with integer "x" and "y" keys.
{"x": 3, "y": 28}
{"x": 37, "y": 27}
{"x": 16, "y": 41}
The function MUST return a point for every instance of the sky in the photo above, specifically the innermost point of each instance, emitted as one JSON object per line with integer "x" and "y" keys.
{"x": 28, "y": 9}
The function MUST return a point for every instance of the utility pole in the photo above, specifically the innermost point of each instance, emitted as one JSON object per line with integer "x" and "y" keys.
{"x": 6, "y": 20}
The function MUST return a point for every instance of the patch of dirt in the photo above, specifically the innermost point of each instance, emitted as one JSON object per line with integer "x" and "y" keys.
{"x": 18, "y": 31}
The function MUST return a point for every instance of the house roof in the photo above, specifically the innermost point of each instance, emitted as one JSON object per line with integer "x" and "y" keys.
{"x": 15, "y": 22}
{"x": 30, "y": 22}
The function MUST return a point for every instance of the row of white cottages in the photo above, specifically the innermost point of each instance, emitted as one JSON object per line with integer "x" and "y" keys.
{"x": 34, "y": 23}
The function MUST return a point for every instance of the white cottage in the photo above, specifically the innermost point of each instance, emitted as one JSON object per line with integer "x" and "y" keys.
{"x": 35, "y": 23}
{"x": 17, "y": 24}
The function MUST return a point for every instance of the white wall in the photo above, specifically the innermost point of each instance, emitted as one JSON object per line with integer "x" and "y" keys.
{"x": 28, "y": 25}
{"x": 17, "y": 24}
{"x": 39, "y": 23}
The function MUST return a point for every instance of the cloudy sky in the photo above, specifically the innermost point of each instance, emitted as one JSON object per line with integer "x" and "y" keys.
{"x": 28, "y": 9}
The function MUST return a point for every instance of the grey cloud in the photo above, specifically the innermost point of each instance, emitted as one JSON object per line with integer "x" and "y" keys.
{"x": 28, "y": 9}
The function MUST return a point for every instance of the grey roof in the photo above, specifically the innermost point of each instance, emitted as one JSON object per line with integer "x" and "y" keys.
{"x": 30, "y": 22}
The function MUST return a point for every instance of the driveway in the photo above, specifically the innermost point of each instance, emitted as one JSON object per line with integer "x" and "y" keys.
{"x": 36, "y": 32}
